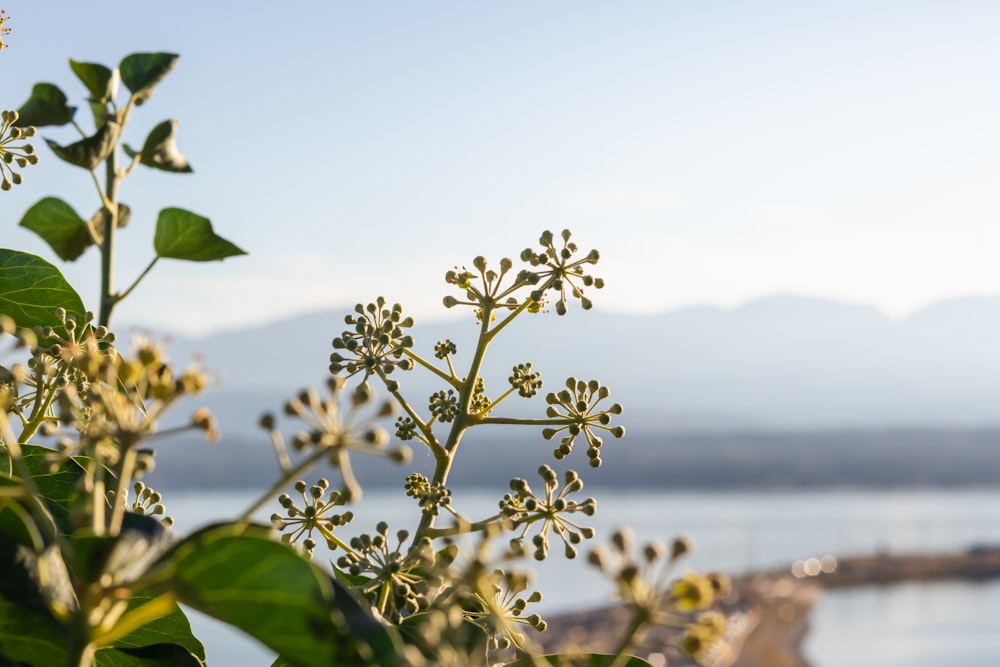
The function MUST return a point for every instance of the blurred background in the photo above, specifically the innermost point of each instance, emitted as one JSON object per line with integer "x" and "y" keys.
{"x": 795, "y": 206}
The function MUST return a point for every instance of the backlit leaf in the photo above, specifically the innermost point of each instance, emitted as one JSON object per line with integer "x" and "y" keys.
{"x": 98, "y": 79}
{"x": 141, "y": 72}
{"x": 31, "y": 289}
{"x": 46, "y": 106}
{"x": 182, "y": 234}
{"x": 91, "y": 151}
{"x": 160, "y": 150}
{"x": 270, "y": 592}
{"x": 59, "y": 225}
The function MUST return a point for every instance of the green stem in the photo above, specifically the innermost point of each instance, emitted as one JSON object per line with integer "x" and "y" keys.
{"x": 491, "y": 334}
{"x": 443, "y": 463}
{"x": 99, "y": 498}
{"x": 450, "y": 531}
{"x": 631, "y": 637}
{"x": 124, "y": 472}
{"x": 82, "y": 652}
{"x": 107, "y": 300}
{"x": 528, "y": 422}
{"x": 425, "y": 429}
{"x": 278, "y": 486}
{"x": 135, "y": 283}
{"x": 450, "y": 379}
{"x": 39, "y": 410}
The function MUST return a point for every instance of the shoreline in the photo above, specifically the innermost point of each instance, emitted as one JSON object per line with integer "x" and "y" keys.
{"x": 771, "y": 609}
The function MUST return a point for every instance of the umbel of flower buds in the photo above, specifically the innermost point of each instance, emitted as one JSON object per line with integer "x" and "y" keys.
{"x": 14, "y": 154}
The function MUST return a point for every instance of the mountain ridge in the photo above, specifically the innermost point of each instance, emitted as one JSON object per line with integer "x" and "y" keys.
{"x": 779, "y": 362}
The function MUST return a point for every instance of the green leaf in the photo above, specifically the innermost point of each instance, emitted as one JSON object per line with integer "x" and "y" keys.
{"x": 160, "y": 150}
{"x": 91, "y": 151}
{"x": 578, "y": 660}
{"x": 182, "y": 234}
{"x": 46, "y": 106}
{"x": 174, "y": 628}
{"x": 59, "y": 225}
{"x": 98, "y": 79}
{"x": 56, "y": 488}
{"x": 16, "y": 522}
{"x": 29, "y": 634}
{"x": 157, "y": 655}
{"x": 141, "y": 72}
{"x": 31, "y": 289}
{"x": 267, "y": 590}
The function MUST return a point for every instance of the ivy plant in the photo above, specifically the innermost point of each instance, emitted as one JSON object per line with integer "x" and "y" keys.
{"x": 93, "y": 571}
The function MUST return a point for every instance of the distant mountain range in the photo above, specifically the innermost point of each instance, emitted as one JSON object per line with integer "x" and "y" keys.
{"x": 784, "y": 391}
{"x": 782, "y": 362}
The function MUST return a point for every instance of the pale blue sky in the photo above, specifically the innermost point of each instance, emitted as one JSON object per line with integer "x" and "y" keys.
{"x": 715, "y": 152}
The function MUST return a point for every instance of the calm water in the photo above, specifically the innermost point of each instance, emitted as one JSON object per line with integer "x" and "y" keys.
{"x": 898, "y": 626}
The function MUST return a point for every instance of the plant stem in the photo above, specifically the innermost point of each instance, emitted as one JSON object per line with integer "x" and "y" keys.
{"x": 81, "y": 653}
{"x": 443, "y": 463}
{"x": 278, "y": 486}
{"x": 124, "y": 474}
{"x": 629, "y": 637}
{"x": 107, "y": 300}
{"x": 135, "y": 283}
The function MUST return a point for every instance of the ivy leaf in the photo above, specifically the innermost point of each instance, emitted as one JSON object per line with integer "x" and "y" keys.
{"x": 102, "y": 83}
{"x": 160, "y": 150}
{"x": 59, "y": 225}
{"x": 56, "y": 488}
{"x": 98, "y": 79}
{"x": 155, "y": 655}
{"x": 64, "y": 230}
{"x": 28, "y": 633}
{"x": 174, "y": 628}
{"x": 141, "y": 72}
{"x": 182, "y": 234}
{"x": 91, "y": 151}
{"x": 31, "y": 289}
{"x": 263, "y": 587}
{"x": 46, "y": 106}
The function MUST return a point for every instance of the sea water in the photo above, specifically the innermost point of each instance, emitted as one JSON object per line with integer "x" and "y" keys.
{"x": 905, "y": 625}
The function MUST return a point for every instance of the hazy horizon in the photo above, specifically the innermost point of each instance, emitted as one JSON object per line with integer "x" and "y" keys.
{"x": 713, "y": 152}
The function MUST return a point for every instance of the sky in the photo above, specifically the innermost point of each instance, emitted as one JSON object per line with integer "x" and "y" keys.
{"x": 714, "y": 152}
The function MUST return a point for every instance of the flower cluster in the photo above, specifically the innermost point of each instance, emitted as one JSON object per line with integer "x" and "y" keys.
{"x": 431, "y": 497}
{"x": 12, "y": 153}
{"x": 526, "y": 381}
{"x": 577, "y": 406}
{"x": 444, "y": 348}
{"x": 4, "y": 29}
{"x": 499, "y": 608}
{"x": 377, "y": 343}
{"x": 333, "y": 432}
{"x": 401, "y": 578}
{"x": 480, "y": 403}
{"x": 113, "y": 402}
{"x": 561, "y": 272}
{"x": 444, "y": 405}
{"x": 315, "y": 514}
{"x": 491, "y": 292}
{"x": 149, "y": 503}
{"x": 644, "y": 586}
{"x": 549, "y": 510}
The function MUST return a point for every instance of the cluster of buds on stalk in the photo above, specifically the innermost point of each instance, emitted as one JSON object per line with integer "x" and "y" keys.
{"x": 12, "y": 153}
